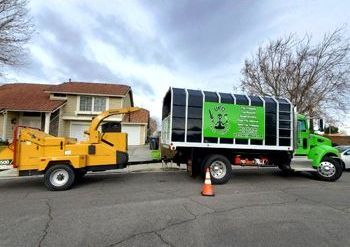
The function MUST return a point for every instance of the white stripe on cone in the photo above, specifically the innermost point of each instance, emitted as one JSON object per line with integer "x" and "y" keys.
{"x": 207, "y": 177}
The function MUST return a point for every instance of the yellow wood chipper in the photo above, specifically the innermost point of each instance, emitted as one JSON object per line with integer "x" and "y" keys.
{"x": 63, "y": 160}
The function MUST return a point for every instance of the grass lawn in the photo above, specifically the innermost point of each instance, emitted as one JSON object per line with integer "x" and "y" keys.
{"x": 155, "y": 154}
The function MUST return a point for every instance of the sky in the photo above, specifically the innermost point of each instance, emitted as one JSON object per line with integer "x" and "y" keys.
{"x": 154, "y": 44}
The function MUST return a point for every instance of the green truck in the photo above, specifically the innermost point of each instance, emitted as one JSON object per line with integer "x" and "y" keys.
{"x": 216, "y": 130}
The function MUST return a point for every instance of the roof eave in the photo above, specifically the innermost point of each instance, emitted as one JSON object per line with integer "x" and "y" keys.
{"x": 35, "y": 110}
{"x": 90, "y": 94}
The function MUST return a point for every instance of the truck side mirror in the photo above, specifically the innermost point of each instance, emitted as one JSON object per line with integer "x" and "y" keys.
{"x": 321, "y": 125}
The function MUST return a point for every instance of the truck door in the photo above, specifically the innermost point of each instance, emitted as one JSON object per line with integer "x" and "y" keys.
{"x": 303, "y": 138}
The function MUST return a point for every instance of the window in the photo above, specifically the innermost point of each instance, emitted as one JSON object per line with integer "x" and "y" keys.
{"x": 302, "y": 126}
{"x": 99, "y": 104}
{"x": 92, "y": 104}
{"x": 85, "y": 103}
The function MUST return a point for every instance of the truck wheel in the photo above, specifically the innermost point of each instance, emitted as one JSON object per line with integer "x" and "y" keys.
{"x": 59, "y": 177}
{"x": 329, "y": 170}
{"x": 220, "y": 168}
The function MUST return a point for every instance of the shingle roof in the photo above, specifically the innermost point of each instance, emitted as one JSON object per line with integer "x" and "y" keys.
{"x": 90, "y": 88}
{"x": 141, "y": 116}
{"x": 27, "y": 97}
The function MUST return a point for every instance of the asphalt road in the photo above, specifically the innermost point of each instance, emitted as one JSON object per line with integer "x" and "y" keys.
{"x": 258, "y": 207}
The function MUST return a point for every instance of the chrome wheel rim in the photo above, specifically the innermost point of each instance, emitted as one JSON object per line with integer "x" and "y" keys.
{"x": 218, "y": 169}
{"x": 326, "y": 169}
{"x": 59, "y": 177}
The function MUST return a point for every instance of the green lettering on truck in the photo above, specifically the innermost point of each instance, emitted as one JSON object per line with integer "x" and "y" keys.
{"x": 234, "y": 121}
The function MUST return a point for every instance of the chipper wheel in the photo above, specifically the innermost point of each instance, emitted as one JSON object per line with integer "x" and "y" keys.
{"x": 59, "y": 177}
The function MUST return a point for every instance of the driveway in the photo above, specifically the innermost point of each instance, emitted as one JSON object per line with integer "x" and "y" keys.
{"x": 258, "y": 207}
{"x": 139, "y": 153}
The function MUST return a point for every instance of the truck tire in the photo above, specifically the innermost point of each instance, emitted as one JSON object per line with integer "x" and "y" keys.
{"x": 330, "y": 169}
{"x": 219, "y": 167}
{"x": 59, "y": 177}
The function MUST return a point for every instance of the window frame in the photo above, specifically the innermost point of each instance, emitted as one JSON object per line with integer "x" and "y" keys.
{"x": 92, "y": 111}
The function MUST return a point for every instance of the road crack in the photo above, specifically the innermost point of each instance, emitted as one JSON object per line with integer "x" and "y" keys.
{"x": 314, "y": 201}
{"x": 47, "y": 225}
{"x": 163, "y": 240}
{"x": 195, "y": 217}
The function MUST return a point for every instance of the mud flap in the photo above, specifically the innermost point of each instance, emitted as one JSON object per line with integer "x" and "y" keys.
{"x": 122, "y": 159}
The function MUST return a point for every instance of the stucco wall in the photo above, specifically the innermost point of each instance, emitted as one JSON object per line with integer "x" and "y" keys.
{"x": 127, "y": 100}
{"x": 1, "y": 124}
{"x": 10, "y": 127}
{"x": 115, "y": 103}
{"x": 66, "y": 128}
{"x": 70, "y": 107}
{"x": 143, "y": 134}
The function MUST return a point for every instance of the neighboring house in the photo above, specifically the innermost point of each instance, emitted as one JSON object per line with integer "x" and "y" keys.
{"x": 136, "y": 125}
{"x": 67, "y": 109}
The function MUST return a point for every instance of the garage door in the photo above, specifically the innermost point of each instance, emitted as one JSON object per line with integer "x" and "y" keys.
{"x": 77, "y": 130}
{"x": 133, "y": 134}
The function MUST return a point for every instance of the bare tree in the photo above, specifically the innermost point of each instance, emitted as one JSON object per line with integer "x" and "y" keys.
{"x": 315, "y": 77}
{"x": 152, "y": 126}
{"x": 15, "y": 31}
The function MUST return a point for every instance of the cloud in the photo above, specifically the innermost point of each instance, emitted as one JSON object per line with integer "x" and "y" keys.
{"x": 208, "y": 33}
{"x": 152, "y": 45}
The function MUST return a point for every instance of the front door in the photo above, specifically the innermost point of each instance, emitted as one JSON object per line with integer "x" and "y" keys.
{"x": 300, "y": 161}
{"x": 303, "y": 138}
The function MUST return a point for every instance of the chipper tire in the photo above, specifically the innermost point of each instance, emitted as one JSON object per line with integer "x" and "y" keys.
{"x": 59, "y": 177}
{"x": 219, "y": 167}
{"x": 330, "y": 169}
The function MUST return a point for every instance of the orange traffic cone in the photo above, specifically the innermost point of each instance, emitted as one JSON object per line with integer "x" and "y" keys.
{"x": 208, "y": 188}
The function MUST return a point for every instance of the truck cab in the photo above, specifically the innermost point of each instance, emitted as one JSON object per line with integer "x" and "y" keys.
{"x": 315, "y": 152}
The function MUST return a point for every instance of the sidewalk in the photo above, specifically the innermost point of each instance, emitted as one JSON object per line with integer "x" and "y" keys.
{"x": 8, "y": 173}
{"x": 155, "y": 167}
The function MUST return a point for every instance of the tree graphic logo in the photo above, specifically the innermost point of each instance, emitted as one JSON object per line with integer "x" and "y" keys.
{"x": 219, "y": 121}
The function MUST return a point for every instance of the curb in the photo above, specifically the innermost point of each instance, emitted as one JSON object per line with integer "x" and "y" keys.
{"x": 145, "y": 168}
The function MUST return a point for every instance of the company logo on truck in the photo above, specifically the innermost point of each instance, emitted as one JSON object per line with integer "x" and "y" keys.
{"x": 222, "y": 120}
{"x": 219, "y": 119}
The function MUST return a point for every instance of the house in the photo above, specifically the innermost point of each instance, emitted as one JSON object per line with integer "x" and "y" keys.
{"x": 67, "y": 109}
